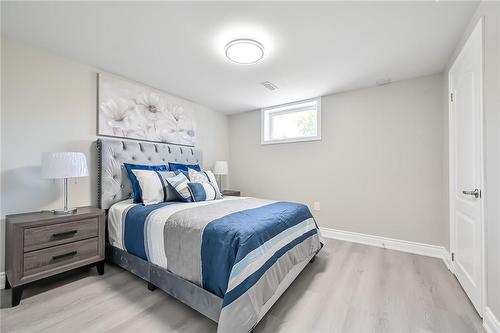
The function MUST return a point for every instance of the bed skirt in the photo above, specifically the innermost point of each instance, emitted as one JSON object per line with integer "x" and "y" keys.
{"x": 187, "y": 292}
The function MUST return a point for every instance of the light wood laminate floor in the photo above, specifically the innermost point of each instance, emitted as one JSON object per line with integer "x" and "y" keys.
{"x": 349, "y": 288}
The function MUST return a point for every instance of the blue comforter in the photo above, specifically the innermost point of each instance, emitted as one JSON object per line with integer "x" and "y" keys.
{"x": 240, "y": 249}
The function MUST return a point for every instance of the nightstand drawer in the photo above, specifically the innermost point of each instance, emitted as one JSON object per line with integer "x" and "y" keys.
{"x": 61, "y": 255}
{"x": 61, "y": 233}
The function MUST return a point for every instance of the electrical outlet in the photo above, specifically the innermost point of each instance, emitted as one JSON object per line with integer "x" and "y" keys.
{"x": 317, "y": 205}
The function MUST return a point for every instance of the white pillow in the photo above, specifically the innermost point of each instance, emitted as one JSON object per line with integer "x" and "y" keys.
{"x": 197, "y": 176}
{"x": 153, "y": 187}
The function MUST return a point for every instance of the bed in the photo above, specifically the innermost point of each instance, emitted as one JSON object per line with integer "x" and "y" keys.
{"x": 229, "y": 259}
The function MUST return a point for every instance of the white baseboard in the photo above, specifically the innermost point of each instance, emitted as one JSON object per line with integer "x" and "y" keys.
{"x": 390, "y": 243}
{"x": 2, "y": 280}
{"x": 490, "y": 323}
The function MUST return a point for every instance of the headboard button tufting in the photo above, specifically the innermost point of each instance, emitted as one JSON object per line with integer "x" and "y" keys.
{"x": 113, "y": 181}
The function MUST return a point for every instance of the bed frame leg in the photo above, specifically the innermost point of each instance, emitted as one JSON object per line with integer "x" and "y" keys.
{"x": 151, "y": 286}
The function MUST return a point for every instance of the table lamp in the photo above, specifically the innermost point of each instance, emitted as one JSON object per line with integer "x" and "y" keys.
{"x": 220, "y": 169}
{"x": 64, "y": 165}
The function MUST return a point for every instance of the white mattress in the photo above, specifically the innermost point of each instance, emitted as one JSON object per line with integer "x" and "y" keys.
{"x": 116, "y": 219}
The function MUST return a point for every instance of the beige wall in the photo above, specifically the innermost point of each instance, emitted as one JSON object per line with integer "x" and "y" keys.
{"x": 49, "y": 104}
{"x": 377, "y": 170}
{"x": 491, "y": 92}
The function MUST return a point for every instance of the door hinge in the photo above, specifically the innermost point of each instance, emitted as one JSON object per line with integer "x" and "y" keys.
{"x": 451, "y": 97}
{"x": 452, "y": 256}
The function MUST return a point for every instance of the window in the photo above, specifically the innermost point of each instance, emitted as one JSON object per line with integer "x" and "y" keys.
{"x": 298, "y": 121}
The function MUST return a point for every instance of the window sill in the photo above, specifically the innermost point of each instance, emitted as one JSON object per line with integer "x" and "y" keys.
{"x": 272, "y": 142}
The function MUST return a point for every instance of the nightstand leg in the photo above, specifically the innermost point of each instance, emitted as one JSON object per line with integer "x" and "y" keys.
{"x": 7, "y": 284}
{"x": 17, "y": 293}
{"x": 100, "y": 268}
{"x": 151, "y": 286}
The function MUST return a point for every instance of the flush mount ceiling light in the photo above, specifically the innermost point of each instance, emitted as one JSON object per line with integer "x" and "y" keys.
{"x": 244, "y": 51}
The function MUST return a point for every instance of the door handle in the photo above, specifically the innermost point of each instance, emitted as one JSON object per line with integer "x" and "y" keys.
{"x": 476, "y": 193}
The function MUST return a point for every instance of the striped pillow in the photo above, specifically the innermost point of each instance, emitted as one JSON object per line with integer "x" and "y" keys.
{"x": 205, "y": 177}
{"x": 179, "y": 183}
{"x": 213, "y": 181}
{"x": 202, "y": 191}
{"x": 153, "y": 187}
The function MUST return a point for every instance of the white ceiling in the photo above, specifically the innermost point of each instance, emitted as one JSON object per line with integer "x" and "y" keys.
{"x": 312, "y": 49}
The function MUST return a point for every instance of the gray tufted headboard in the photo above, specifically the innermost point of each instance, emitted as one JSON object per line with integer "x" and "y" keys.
{"x": 113, "y": 183}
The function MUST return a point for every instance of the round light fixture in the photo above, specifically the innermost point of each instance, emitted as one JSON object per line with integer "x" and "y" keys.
{"x": 244, "y": 51}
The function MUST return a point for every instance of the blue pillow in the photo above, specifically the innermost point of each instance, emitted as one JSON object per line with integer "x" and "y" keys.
{"x": 184, "y": 167}
{"x": 136, "y": 188}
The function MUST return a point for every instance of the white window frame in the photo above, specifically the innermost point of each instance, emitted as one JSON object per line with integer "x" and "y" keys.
{"x": 289, "y": 108}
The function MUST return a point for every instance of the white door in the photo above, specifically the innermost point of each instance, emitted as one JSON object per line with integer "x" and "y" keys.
{"x": 466, "y": 167}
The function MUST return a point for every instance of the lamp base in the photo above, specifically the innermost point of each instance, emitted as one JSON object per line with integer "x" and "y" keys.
{"x": 64, "y": 211}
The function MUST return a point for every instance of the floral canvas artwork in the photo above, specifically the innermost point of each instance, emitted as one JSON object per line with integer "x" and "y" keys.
{"x": 131, "y": 110}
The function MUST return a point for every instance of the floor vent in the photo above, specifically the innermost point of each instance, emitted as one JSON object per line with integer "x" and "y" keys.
{"x": 269, "y": 85}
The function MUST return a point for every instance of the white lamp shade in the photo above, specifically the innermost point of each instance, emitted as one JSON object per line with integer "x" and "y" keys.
{"x": 64, "y": 165}
{"x": 220, "y": 168}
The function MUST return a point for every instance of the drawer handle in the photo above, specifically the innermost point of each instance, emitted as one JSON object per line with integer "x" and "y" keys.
{"x": 65, "y": 255}
{"x": 70, "y": 233}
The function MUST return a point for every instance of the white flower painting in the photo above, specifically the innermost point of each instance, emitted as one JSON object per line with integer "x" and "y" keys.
{"x": 135, "y": 111}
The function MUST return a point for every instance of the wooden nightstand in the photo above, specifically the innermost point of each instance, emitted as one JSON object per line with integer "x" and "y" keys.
{"x": 41, "y": 244}
{"x": 231, "y": 193}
